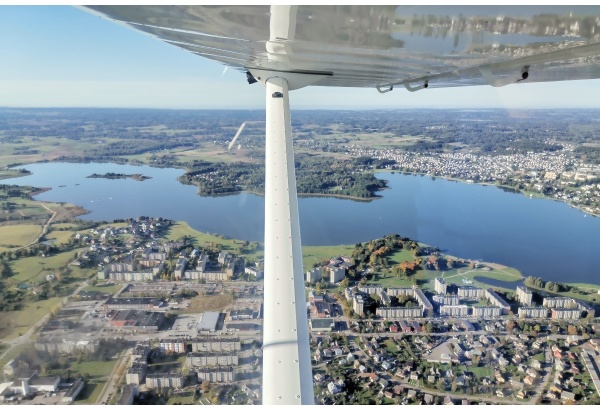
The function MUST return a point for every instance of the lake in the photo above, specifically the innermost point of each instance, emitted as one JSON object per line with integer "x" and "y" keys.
{"x": 539, "y": 237}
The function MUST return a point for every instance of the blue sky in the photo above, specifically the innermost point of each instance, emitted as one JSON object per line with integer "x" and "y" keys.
{"x": 60, "y": 56}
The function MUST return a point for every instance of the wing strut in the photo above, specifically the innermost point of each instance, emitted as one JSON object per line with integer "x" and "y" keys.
{"x": 287, "y": 373}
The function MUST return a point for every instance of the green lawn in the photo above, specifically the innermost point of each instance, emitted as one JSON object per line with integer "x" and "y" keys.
{"x": 570, "y": 294}
{"x": 60, "y": 236}
{"x": 402, "y": 255}
{"x": 96, "y": 369}
{"x": 478, "y": 371}
{"x": 180, "y": 229}
{"x": 540, "y": 357}
{"x": 69, "y": 226}
{"x": 14, "y": 351}
{"x": 185, "y": 398}
{"x": 13, "y": 323}
{"x": 19, "y": 235}
{"x": 390, "y": 346}
{"x": 31, "y": 269}
{"x": 316, "y": 254}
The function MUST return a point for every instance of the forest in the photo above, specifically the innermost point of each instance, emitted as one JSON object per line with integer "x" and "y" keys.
{"x": 315, "y": 175}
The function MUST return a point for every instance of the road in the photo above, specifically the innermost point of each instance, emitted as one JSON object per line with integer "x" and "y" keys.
{"x": 44, "y": 228}
{"x": 109, "y": 388}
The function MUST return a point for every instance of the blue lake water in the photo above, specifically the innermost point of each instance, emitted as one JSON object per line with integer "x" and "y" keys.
{"x": 539, "y": 237}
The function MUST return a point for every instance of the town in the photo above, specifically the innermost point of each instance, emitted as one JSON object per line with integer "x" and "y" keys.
{"x": 555, "y": 175}
{"x": 168, "y": 321}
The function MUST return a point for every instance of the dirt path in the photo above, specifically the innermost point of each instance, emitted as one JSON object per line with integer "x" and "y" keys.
{"x": 44, "y": 228}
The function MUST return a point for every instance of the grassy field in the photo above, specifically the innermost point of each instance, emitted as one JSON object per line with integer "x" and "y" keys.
{"x": 180, "y": 229}
{"x": 213, "y": 303}
{"x": 570, "y": 294}
{"x": 390, "y": 346}
{"x": 20, "y": 321}
{"x": 400, "y": 256}
{"x": 96, "y": 369}
{"x": 315, "y": 254}
{"x": 59, "y": 236}
{"x": 69, "y": 226}
{"x": 19, "y": 235}
{"x": 14, "y": 351}
{"x": 185, "y": 398}
{"x": 311, "y": 254}
{"x": 47, "y": 149}
{"x": 478, "y": 371}
{"x": 35, "y": 268}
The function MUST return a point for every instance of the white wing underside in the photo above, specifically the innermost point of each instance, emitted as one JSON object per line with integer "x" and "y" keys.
{"x": 370, "y": 46}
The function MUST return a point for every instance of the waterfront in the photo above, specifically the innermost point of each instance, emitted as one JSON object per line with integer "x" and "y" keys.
{"x": 539, "y": 237}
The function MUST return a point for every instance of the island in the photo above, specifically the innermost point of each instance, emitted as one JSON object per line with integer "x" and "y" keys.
{"x": 112, "y": 175}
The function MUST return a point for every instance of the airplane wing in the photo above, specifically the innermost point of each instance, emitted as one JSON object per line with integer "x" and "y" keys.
{"x": 378, "y": 46}
{"x": 415, "y": 47}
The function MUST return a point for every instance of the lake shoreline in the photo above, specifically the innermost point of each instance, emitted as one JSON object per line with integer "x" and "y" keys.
{"x": 527, "y": 194}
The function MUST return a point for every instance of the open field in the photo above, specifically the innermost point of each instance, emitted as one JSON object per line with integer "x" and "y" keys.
{"x": 593, "y": 297}
{"x": 213, "y": 303}
{"x": 14, "y": 351}
{"x": 64, "y": 225}
{"x": 316, "y": 254}
{"x": 184, "y": 398}
{"x": 47, "y": 148}
{"x": 65, "y": 211}
{"x": 61, "y": 237}
{"x": 180, "y": 229}
{"x": 13, "y": 323}
{"x": 19, "y": 235}
{"x": 36, "y": 268}
{"x": 400, "y": 256}
{"x": 96, "y": 369}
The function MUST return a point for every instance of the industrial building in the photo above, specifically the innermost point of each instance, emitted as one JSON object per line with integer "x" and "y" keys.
{"x": 138, "y": 318}
{"x": 209, "y": 322}
{"x": 132, "y": 303}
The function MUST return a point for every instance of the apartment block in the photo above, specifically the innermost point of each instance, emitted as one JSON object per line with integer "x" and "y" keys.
{"x": 454, "y": 310}
{"x": 400, "y": 312}
{"x": 486, "y": 311}
{"x": 440, "y": 286}
{"x": 533, "y": 312}
{"x": 524, "y": 295}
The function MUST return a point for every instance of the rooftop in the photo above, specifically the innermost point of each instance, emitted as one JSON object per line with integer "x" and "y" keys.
{"x": 209, "y": 321}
